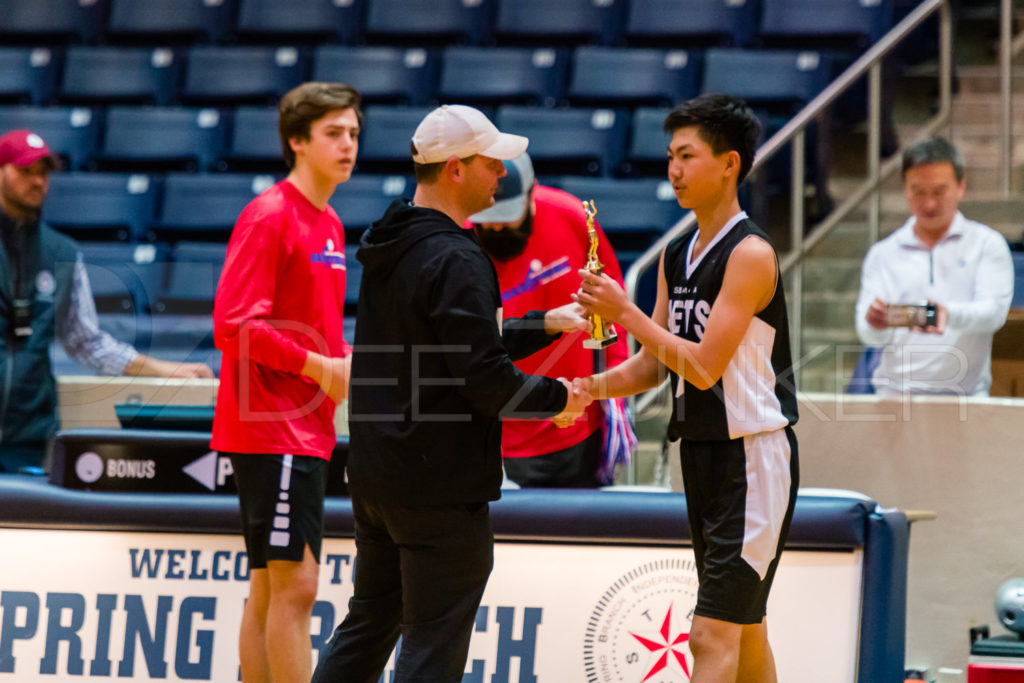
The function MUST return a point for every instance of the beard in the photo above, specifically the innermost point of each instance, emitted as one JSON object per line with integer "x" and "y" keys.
{"x": 508, "y": 243}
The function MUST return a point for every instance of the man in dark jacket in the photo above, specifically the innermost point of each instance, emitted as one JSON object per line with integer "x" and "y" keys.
{"x": 432, "y": 375}
{"x": 45, "y": 295}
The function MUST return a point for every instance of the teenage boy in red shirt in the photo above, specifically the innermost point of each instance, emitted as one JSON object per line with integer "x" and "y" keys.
{"x": 278, "y": 321}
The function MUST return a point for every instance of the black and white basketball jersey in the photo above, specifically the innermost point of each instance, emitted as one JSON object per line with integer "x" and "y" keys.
{"x": 755, "y": 393}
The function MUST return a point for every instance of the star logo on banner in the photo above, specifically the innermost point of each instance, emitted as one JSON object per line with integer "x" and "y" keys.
{"x": 665, "y": 645}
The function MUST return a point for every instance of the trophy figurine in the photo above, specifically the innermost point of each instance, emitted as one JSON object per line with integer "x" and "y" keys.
{"x": 602, "y": 335}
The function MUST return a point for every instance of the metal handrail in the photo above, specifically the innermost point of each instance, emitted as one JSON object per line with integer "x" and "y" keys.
{"x": 869, "y": 61}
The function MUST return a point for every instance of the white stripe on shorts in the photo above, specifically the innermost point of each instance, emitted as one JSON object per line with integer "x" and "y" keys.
{"x": 768, "y": 487}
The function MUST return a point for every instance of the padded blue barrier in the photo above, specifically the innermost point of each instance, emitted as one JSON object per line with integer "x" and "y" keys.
{"x": 161, "y": 20}
{"x": 28, "y": 75}
{"x": 840, "y": 521}
{"x": 110, "y": 75}
{"x": 71, "y": 132}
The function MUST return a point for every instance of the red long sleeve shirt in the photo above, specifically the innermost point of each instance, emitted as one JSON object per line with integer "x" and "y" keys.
{"x": 281, "y": 294}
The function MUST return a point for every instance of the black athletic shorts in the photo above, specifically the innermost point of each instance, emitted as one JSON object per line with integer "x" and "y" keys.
{"x": 282, "y": 505}
{"x": 740, "y": 496}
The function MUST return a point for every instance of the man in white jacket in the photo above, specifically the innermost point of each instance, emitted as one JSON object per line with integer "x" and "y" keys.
{"x": 961, "y": 267}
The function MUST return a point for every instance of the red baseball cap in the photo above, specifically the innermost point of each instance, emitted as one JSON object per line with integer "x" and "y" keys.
{"x": 23, "y": 148}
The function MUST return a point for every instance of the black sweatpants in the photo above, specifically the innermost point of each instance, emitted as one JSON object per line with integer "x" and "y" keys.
{"x": 420, "y": 572}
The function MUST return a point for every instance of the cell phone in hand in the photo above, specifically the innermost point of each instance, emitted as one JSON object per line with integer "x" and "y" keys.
{"x": 923, "y": 314}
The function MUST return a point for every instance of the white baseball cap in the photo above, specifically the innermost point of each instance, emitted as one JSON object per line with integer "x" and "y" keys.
{"x": 455, "y": 130}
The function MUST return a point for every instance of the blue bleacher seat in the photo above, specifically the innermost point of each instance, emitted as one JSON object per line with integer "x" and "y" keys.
{"x": 672, "y": 22}
{"x": 242, "y": 74}
{"x": 101, "y": 205}
{"x": 633, "y": 213}
{"x": 826, "y": 20}
{"x": 648, "y": 142}
{"x": 633, "y": 75}
{"x": 174, "y": 20}
{"x": 120, "y": 74}
{"x": 71, "y": 132}
{"x": 549, "y": 22}
{"x": 473, "y": 74}
{"x": 364, "y": 199}
{"x": 565, "y": 141}
{"x": 384, "y": 141}
{"x": 380, "y": 74}
{"x": 255, "y": 141}
{"x": 28, "y": 75}
{"x": 1018, "y": 279}
{"x": 353, "y": 278}
{"x": 766, "y": 76}
{"x": 204, "y": 206}
{"x": 163, "y": 137}
{"x": 192, "y": 282}
{"x": 44, "y": 20}
{"x": 125, "y": 278}
{"x": 416, "y": 22}
{"x": 311, "y": 20}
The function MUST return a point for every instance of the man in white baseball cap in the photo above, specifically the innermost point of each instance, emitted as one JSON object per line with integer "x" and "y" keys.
{"x": 433, "y": 373}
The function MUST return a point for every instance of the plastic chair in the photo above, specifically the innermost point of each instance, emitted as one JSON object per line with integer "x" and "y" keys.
{"x": 708, "y": 22}
{"x": 825, "y": 21}
{"x": 364, "y": 199}
{"x": 648, "y": 143}
{"x": 187, "y": 21}
{"x": 633, "y": 76}
{"x": 306, "y": 20}
{"x": 545, "y": 21}
{"x": 228, "y": 75}
{"x": 70, "y": 132}
{"x": 204, "y": 206}
{"x": 380, "y": 74}
{"x": 439, "y": 22}
{"x": 62, "y": 20}
{"x": 384, "y": 141}
{"x": 633, "y": 213}
{"x": 125, "y": 278}
{"x": 255, "y": 143}
{"x": 192, "y": 282}
{"x": 590, "y": 141}
{"x": 766, "y": 76}
{"x": 532, "y": 75}
{"x": 120, "y": 74}
{"x": 96, "y": 206}
{"x": 163, "y": 137}
{"x": 28, "y": 75}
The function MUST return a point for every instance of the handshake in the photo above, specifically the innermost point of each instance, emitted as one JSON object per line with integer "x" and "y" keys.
{"x": 580, "y": 397}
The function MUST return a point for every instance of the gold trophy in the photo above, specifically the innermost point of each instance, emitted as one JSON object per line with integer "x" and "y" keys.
{"x": 602, "y": 335}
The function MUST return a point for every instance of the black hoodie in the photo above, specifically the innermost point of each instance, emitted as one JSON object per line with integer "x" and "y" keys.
{"x": 432, "y": 374}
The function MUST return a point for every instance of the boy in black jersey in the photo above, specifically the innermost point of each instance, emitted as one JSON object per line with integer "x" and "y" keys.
{"x": 720, "y": 327}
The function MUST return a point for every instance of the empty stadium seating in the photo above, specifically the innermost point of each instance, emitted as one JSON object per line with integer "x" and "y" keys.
{"x": 204, "y": 206}
{"x": 585, "y": 141}
{"x": 255, "y": 143}
{"x": 364, "y": 199}
{"x": 716, "y": 22}
{"x": 71, "y": 132}
{"x": 221, "y": 75}
{"x": 438, "y": 22}
{"x": 163, "y": 137}
{"x": 551, "y": 23}
{"x": 34, "y": 21}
